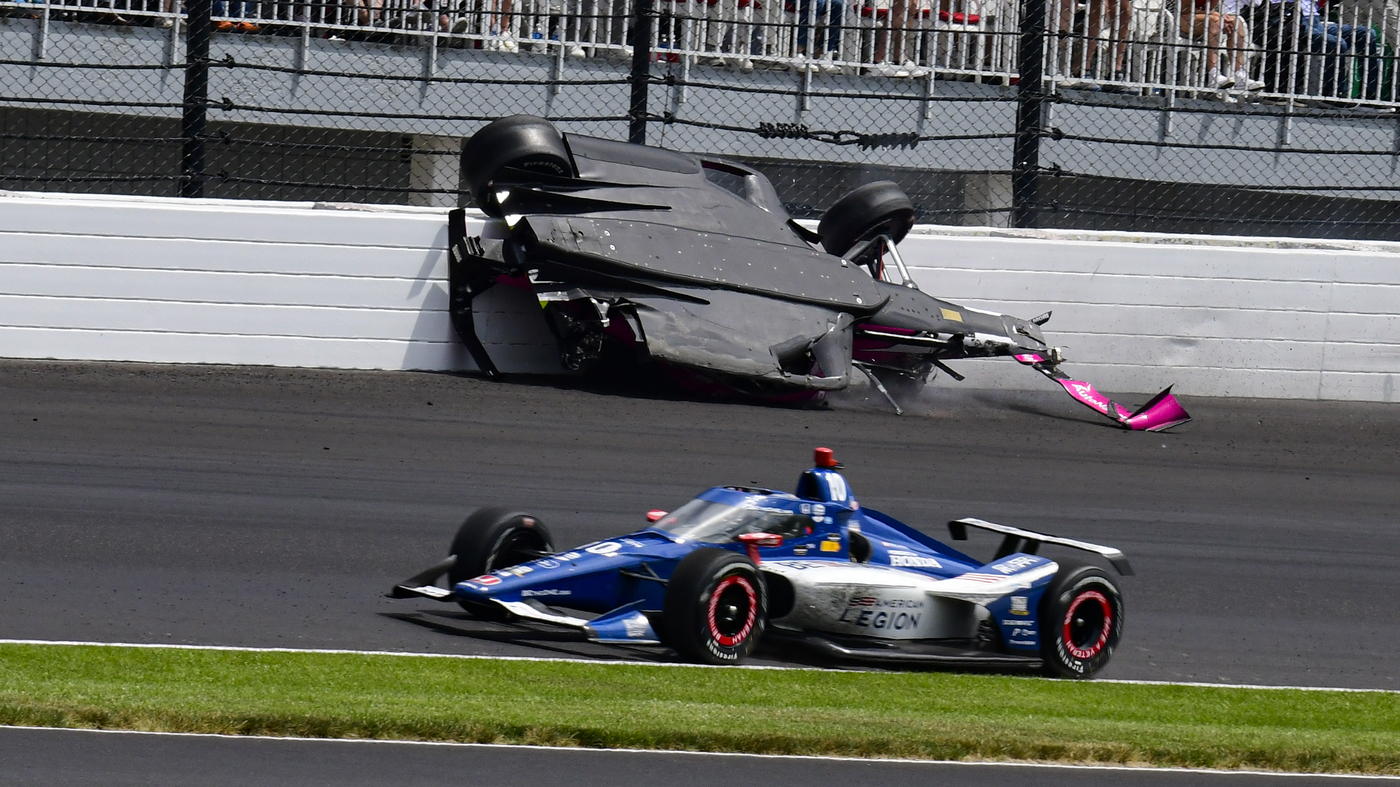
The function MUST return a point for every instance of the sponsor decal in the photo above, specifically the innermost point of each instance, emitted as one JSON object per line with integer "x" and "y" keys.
{"x": 545, "y": 592}
{"x": 800, "y": 550}
{"x": 635, "y": 626}
{"x": 881, "y": 620}
{"x": 485, "y": 580}
{"x": 518, "y": 571}
{"x": 570, "y": 556}
{"x": 547, "y": 563}
{"x": 911, "y": 560}
{"x": 949, "y": 314}
{"x": 805, "y": 508}
{"x": 1093, "y": 648}
{"x": 1086, "y": 394}
{"x": 831, "y": 546}
{"x": 637, "y": 544}
{"x": 1020, "y": 605}
{"x": 1025, "y": 643}
{"x": 1015, "y": 564}
{"x": 971, "y": 577}
{"x": 872, "y": 601}
{"x": 1029, "y": 358}
{"x": 818, "y": 510}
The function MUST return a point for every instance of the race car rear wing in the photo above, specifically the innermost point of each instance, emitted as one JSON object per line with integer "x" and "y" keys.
{"x": 1028, "y": 541}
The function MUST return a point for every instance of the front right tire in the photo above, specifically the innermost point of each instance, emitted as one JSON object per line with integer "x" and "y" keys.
{"x": 492, "y": 539}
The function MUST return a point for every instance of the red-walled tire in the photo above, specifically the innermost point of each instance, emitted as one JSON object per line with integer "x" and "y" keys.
{"x": 716, "y": 607}
{"x": 1081, "y": 620}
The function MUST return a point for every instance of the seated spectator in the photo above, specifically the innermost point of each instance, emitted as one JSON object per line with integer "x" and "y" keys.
{"x": 814, "y": 16}
{"x": 1120, "y": 15}
{"x": 1289, "y": 28}
{"x": 730, "y": 33}
{"x": 1215, "y": 22}
{"x": 1383, "y": 14}
{"x": 895, "y": 45}
{"x": 234, "y": 10}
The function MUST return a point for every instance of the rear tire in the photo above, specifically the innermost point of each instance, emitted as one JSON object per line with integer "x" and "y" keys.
{"x": 521, "y": 142}
{"x": 716, "y": 607}
{"x": 492, "y": 539}
{"x": 1081, "y": 620}
{"x": 879, "y": 208}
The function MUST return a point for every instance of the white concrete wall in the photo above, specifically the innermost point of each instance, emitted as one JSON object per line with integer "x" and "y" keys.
{"x": 210, "y": 281}
{"x": 1216, "y": 316}
{"x": 297, "y": 284}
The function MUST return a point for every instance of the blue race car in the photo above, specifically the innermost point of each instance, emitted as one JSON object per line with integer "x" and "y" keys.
{"x": 739, "y": 564}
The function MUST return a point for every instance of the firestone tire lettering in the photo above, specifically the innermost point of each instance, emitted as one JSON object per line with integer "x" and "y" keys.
{"x": 1081, "y": 616}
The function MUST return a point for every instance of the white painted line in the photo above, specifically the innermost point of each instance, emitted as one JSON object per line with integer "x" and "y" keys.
{"x": 581, "y": 750}
{"x": 634, "y": 663}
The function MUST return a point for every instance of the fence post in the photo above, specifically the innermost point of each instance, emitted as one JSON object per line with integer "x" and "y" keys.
{"x": 1030, "y": 101}
{"x": 641, "y": 72}
{"x": 196, "y": 106}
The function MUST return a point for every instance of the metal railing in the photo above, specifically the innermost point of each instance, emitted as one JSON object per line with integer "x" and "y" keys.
{"x": 1226, "y": 49}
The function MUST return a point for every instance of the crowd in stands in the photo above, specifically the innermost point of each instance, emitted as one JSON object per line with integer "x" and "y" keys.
{"x": 1318, "y": 48}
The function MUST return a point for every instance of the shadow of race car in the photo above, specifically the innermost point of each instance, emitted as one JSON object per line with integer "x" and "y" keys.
{"x": 814, "y": 569}
{"x": 692, "y": 264}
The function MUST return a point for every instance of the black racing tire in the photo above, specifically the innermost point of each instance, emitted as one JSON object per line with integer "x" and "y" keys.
{"x": 492, "y": 539}
{"x": 1081, "y": 620}
{"x": 879, "y": 208}
{"x": 716, "y": 607}
{"x": 522, "y": 142}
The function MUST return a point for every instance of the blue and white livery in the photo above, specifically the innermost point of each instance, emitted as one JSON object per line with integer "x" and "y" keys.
{"x": 740, "y": 565}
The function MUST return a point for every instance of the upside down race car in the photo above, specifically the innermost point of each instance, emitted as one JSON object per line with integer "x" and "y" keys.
{"x": 693, "y": 264}
{"x": 815, "y": 569}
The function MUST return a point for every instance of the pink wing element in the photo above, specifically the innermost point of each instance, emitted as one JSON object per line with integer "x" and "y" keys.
{"x": 1086, "y": 394}
{"x": 1163, "y": 411}
{"x": 1028, "y": 359}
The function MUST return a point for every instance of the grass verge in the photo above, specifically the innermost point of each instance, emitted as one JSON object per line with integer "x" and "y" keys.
{"x": 865, "y": 714}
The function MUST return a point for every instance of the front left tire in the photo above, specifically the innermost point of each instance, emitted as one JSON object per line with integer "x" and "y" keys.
{"x": 716, "y": 607}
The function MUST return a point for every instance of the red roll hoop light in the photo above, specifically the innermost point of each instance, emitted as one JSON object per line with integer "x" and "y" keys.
{"x": 824, "y": 457}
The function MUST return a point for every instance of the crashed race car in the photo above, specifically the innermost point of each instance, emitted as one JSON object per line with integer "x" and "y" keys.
{"x": 693, "y": 265}
{"x": 814, "y": 569}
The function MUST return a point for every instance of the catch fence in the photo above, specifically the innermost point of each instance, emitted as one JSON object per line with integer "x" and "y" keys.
{"x": 1275, "y": 118}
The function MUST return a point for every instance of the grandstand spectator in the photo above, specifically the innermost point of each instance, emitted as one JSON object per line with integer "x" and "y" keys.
{"x": 1217, "y": 22}
{"x": 895, "y": 45}
{"x": 730, "y": 33}
{"x": 502, "y": 36}
{"x": 1120, "y": 15}
{"x": 1284, "y": 27}
{"x": 814, "y": 17}
{"x": 1382, "y": 14}
{"x": 236, "y": 13}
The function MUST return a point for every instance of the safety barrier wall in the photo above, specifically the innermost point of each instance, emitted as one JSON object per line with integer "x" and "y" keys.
{"x": 300, "y": 284}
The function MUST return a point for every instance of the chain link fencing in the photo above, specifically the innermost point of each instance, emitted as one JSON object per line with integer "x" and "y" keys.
{"x": 1214, "y": 116}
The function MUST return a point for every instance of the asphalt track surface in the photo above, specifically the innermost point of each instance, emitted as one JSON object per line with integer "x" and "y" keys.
{"x": 82, "y": 758}
{"x": 267, "y": 507}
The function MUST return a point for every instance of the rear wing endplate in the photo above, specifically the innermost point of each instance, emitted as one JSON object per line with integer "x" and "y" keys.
{"x": 1028, "y": 541}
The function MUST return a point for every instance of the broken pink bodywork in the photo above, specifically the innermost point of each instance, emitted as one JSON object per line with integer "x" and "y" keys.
{"x": 1161, "y": 412}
